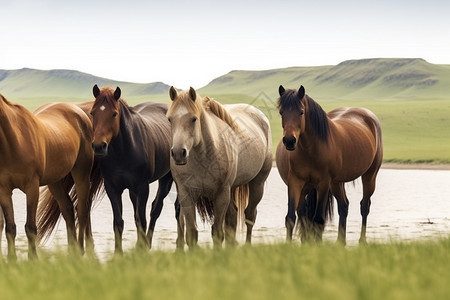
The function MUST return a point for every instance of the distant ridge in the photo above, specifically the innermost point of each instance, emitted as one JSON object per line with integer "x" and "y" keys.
{"x": 376, "y": 78}
{"x": 32, "y": 83}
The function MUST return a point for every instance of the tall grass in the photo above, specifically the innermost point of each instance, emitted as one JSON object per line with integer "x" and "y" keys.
{"x": 415, "y": 270}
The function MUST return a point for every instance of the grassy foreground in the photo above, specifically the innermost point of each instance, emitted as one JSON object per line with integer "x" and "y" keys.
{"x": 416, "y": 270}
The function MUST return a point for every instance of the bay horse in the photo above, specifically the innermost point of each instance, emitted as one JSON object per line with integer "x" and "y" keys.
{"x": 133, "y": 147}
{"x": 50, "y": 147}
{"x": 220, "y": 156}
{"x": 321, "y": 151}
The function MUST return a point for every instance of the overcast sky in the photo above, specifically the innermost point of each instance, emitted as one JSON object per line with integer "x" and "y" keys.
{"x": 189, "y": 43}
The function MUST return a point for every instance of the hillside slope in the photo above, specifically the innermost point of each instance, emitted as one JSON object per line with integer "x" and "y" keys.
{"x": 31, "y": 83}
{"x": 353, "y": 79}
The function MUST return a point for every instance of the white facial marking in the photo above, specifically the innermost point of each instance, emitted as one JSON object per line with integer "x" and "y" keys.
{"x": 182, "y": 110}
{"x": 102, "y": 108}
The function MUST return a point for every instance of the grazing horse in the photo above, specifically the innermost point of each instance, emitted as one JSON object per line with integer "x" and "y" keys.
{"x": 220, "y": 155}
{"x": 133, "y": 146}
{"x": 50, "y": 147}
{"x": 321, "y": 151}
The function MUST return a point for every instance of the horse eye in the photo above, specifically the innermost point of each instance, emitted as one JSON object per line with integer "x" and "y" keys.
{"x": 194, "y": 119}
{"x": 169, "y": 119}
{"x": 114, "y": 114}
{"x": 301, "y": 112}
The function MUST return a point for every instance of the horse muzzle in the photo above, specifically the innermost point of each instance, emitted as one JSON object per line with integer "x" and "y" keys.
{"x": 100, "y": 149}
{"x": 179, "y": 155}
{"x": 289, "y": 142}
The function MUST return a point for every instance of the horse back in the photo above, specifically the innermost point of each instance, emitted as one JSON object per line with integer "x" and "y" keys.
{"x": 149, "y": 139}
{"x": 253, "y": 140}
{"x": 65, "y": 134}
{"x": 357, "y": 133}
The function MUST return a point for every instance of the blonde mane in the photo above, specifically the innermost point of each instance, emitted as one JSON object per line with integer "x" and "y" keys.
{"x": 217, "y": 109}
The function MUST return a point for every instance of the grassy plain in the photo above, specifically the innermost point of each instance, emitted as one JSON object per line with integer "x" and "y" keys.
{"x": 415, "y": 270}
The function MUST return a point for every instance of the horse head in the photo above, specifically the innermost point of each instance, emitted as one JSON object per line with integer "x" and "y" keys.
{"x": 184, "y": 114}
{"x": 105, "y": 118}
{"x": 291, "y": 106}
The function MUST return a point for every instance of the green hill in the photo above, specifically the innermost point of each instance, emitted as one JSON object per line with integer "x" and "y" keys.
{"x": 353, "y": 79}
{"x": 28, "y": 86}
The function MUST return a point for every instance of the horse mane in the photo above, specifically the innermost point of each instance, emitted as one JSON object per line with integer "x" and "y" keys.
{"x": 317, "y": 117}
{"x": 218, "y": 109}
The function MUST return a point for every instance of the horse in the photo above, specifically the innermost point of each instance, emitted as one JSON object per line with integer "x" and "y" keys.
{"x": 50, "y": 147}
{"x": 221, "y": 155}
{"x": 321, "y": 151}
{"x": 133, "y": 147}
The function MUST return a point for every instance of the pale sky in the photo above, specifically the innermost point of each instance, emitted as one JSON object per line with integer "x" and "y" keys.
{"x": 189, "y": 43}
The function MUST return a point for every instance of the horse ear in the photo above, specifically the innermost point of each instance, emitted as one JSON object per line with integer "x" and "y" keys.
{"x": 301, "y": 92}
{"x": 173, "y": 93}
{"x": 281, "y": 90}
{"x": 96, "y": 91}
{"x": 192, "y": 93}
{"x": 117, "y": 93}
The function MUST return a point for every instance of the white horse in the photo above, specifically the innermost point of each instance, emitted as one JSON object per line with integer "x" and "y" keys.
{"x": 220, "y": 156}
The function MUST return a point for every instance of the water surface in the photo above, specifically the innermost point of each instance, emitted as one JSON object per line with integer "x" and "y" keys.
{"x": 407, "y": 205}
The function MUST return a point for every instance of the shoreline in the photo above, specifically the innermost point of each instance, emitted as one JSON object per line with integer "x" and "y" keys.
{"x": 408, "y": 166}
{"x": 415, "y": 166}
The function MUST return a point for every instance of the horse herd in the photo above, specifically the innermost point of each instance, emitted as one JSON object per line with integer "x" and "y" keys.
{"x": 219, "y": 157}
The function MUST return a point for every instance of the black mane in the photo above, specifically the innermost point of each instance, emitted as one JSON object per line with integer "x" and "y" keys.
{"x": 316, "y": 116}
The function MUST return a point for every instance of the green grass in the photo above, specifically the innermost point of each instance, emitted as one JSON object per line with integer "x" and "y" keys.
{"x": 415, "y": 270}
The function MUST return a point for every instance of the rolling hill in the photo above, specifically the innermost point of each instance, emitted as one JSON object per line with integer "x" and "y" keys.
{"x": 353, "y": 79}
{"x": 31, "y": 83}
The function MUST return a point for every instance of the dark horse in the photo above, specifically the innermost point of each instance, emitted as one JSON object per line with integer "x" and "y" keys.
{"x": 321, "y": 151}
{"x": 133, "y": 144}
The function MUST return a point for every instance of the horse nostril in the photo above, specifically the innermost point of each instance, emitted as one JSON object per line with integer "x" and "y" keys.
{"x": 104, "y": 145}
{"x": 289, "y": 142}
{"x": 183, "y": 153}
{"x": 171, "y": 152}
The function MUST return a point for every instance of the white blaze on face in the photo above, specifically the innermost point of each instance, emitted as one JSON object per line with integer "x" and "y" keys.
{"x": 102, "y": 108}
{"x": 182, "y": 110}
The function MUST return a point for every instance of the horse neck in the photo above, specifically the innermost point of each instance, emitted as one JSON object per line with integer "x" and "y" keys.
{"x": 309, "y": 139}
{"x": 209, "y": 132}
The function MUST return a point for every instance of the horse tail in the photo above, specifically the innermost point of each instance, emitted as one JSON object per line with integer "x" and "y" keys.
{"x": 312, "y": 210}
{"x": 48, "y": 213}
{"x": 205, "y": 208}
{"x": 241, "y": 194}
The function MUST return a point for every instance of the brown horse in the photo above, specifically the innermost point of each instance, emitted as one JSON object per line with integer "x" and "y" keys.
{"x": 321, "y": 151}
{"x": 50, "y": 147}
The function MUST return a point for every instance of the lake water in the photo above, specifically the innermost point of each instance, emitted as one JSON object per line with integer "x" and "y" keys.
{"x": 407, "y": 205}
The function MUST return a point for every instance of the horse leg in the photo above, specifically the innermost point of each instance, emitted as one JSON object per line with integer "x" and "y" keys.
{"x": 2, "y": 225}
{"x": 30, "y": 226}
{"x": 114, "y": 196}
{"x": 256, "y": 190}
{"x": 368, "y": 182}
{"x": 139, "y": 198}
{"x": 82, "y": 186}
{"x": 10, "y": 227}
{"x": 66, "y": 207}
{"x": 295, "y": 188}
{"x": 164, "y": 185}
{"x": 231, "y": 221}
{"x": 180, "y": 225}
{"x": 319, "y": 218}
{"x": 338, "y": 190}
{"x": 221, "y": 204}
